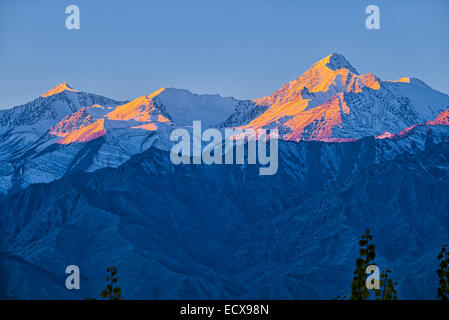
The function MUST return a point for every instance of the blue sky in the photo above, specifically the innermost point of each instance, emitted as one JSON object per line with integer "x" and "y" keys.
{"x": 245, "y": 49}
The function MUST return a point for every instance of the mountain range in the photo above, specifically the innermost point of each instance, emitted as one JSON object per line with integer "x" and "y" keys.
{"x": 87, "y": 180}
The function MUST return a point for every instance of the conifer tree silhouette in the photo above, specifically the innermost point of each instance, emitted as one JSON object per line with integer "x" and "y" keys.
{"x": 443, "y": 274}
{"x": 111, "y": 292}
{"x": 359, "y": 291}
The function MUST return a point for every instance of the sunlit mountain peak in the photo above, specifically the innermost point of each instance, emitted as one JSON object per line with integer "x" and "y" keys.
{"x": 155, "y": 93}
{"x": 140, "y": 109}
{"x": 59, "y": 88}
{"x": 337, "y": 61}
{"x": 332, "y": 73}
{"x": 331, "y": 101}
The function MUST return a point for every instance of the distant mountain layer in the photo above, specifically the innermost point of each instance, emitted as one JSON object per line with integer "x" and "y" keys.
{"x": 225, "y": 232}
{"x": 87, "y": 180}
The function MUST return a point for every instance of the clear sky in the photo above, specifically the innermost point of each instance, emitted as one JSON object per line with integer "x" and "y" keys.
{"x": 240, "y": 48}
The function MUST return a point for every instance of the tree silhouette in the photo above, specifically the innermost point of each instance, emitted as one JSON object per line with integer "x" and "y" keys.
{"x": 111, "y": 292}
{"x": 387, "y": 290}
{"x": 443, "y": 274}
{"x": 359, "y": 291}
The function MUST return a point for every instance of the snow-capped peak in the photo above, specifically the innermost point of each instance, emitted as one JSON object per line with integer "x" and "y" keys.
{"x": 178, "y": 105}
{"x": 329, "y": 102}
{"x": 59, "y": 88}
{"x": 332, "y": 101}
{"x": 337, "y": 61}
